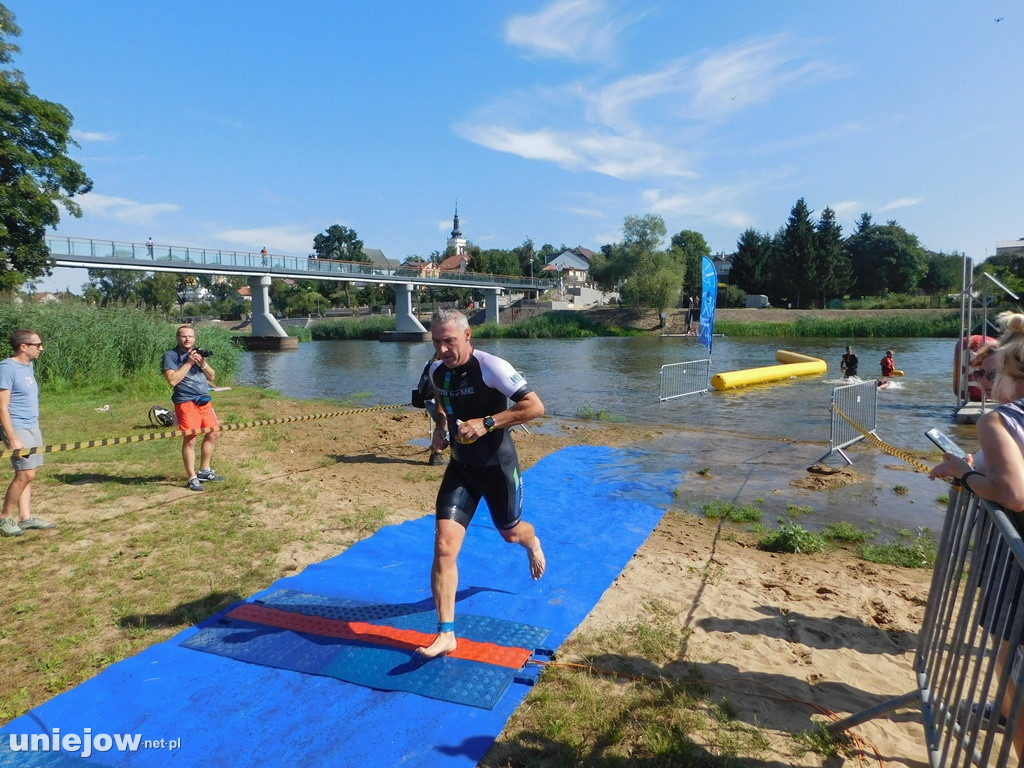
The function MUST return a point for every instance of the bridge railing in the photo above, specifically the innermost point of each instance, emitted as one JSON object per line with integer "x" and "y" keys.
{"x": 121, "y": 251}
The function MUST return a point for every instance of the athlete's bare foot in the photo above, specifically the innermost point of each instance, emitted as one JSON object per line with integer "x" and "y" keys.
{"x": 443, "y": 644}
{"x": 537, "y": 561}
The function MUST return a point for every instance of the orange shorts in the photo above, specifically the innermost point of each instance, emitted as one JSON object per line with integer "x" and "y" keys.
{"x": 192, "y": 416}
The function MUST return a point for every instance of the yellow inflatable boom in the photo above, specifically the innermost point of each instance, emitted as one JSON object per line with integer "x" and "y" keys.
{"x": 793, "y": 364}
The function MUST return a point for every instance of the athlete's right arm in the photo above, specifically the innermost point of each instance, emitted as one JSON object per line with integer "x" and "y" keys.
{"x": 439, "y": 439}
{"x": 5, "y": 420}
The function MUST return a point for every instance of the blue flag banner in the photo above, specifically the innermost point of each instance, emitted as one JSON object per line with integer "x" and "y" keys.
{"x": 709, "y": 296}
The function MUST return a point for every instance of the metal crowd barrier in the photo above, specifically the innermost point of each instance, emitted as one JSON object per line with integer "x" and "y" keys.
{"x": 970, "y": 660}
{"x": 860, "y": 403}
{"x": 681, "y": 379}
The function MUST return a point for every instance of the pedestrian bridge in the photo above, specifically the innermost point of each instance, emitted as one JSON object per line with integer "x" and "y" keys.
{"x": 260, "y": 268}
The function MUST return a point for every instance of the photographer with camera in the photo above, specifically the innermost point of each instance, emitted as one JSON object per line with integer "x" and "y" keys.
{"x": 188, "y": 372}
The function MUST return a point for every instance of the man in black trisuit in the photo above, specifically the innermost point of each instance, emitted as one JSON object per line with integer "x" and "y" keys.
{"x": 472, "y": 390}
{"x": 848, "y": 365}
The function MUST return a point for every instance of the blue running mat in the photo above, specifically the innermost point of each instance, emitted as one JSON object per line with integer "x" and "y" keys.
{"x": 592, "y": 506}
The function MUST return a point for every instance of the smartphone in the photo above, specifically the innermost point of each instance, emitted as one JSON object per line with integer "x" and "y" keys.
{"x": 945, "y": 443}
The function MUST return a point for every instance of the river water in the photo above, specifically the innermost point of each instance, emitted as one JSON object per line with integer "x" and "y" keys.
{"x": 621, "y": 377}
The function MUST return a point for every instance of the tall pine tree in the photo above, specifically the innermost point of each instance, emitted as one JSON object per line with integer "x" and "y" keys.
{"x": 798, "y": 252}
{"x": 835, "y": 274}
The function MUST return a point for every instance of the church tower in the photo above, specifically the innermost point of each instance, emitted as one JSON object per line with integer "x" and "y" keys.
{"x": 456, "y": 243}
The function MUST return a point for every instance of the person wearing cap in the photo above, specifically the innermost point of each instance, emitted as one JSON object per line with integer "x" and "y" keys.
{"x": 888, "y": 364}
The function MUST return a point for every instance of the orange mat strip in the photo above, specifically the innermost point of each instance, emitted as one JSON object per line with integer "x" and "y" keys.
{"x": 407, "y": 639}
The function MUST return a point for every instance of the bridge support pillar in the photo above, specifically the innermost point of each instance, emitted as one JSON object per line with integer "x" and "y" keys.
{"x": 407, "y": 326}
{"x": 491, "y": 308}
{"x": 267, "y": 333}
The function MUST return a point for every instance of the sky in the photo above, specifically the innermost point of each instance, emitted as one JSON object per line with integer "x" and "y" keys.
{"x": 239, "y": 125}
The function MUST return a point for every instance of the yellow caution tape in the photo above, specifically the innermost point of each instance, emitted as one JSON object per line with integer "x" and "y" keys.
{"x": 184, "y": 432}
{"x": 886, "y": 448}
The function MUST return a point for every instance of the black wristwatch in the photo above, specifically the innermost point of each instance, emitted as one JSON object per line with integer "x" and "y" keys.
{"x": 489, "y": 423}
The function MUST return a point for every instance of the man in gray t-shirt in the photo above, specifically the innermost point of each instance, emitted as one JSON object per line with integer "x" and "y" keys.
{"x": 190, "y": 375}
{"x": 19, "y": 423}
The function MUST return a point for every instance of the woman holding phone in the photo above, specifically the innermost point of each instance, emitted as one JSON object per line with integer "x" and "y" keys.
{"x": 996, "y": 473}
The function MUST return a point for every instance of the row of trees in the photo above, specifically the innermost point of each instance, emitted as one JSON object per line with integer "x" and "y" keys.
{"x": 807, "y": 263}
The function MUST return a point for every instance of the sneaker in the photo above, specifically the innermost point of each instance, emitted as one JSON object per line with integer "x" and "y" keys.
{"x": 195, "y": 484}
{"x": 209, "y": 476}
{"x": 437, "y": 459}
{"x": 9, "y": 528}
{"x": 965, "y": 716}
{"x": 34, "y": 522}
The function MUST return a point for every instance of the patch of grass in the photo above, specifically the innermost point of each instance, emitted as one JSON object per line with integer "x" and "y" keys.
{"x": 704, "y": 471}
{"x": 792, "y": 538}
{"x": 920, "y": 552}
{"x": 627, "y": 700}
{"x": 587, "y": 411}
{"x": 900, "y": 490}
{"x": 817, "y": 739}
{"x": 726, "y": 510}
{"x": 794, "y": 510}
{"x": 844, "y": 533}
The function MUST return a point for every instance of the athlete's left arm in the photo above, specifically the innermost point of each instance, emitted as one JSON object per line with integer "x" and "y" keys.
{"x": 500, "y": 375}
{"x": 527, "y": 409}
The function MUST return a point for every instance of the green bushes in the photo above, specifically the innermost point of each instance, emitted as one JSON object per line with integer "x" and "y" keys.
{"x": 352, "y": 328}
{"x": 924, "y": 325}
{"x": 299, "y": 332}
{"x": 117, "y": 348}
{"x": 551, "y": 325}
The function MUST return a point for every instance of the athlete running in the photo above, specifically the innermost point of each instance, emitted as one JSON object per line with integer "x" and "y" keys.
{"x": 472, "y": 391}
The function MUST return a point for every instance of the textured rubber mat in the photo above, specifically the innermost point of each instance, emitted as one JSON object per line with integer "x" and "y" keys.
{"x": 418, "y": 616}
{"x": 477, "y": 673}
{"x": 218, "y": 711}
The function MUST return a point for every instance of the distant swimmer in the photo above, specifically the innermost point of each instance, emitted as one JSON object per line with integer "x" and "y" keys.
{"x": 848, "y": 365}
{"x": 888, "y": 364}
{"x": 472, "y": 389}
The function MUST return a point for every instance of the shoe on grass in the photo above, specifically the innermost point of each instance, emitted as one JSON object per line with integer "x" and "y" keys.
{"x": 194, "y": 484}
{"x": 209, "y": 476}
{"x": 9, "y": 528}
{"x": 34, "y": 522}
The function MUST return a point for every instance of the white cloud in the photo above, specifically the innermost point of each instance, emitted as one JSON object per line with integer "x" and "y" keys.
{"x": 755, "y": 72}
{"x": 847, "y": 209}
{"x": 122, "y": 209}
{"x": 589, "y": 212}
{"x": 285, "y": 239}
{"x": 570, "y": 29}
{"x": 718, "y": 205}
{"x": 903, "y": 202}
{"x": 645, "y": 125}
{"x": 621, "y": 157}
{"x": 89, "y": 136}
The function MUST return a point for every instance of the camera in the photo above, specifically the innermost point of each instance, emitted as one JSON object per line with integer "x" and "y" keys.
{"x": 207, "y": 353}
